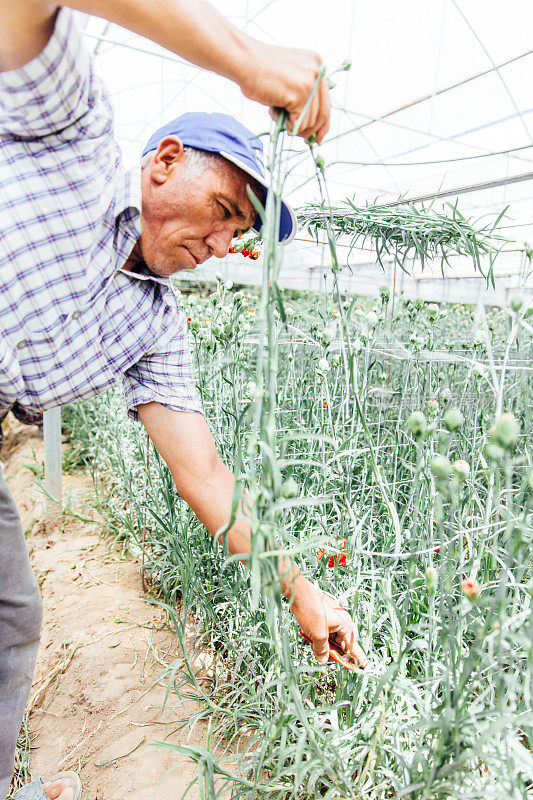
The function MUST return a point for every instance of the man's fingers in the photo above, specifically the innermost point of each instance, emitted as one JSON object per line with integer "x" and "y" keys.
{"x": 309, "y": 125}
{"x": 359, "y": 655}
{"x": 321, "y": 649}
{"x": 325, "y": 111}
{"x": 350, "y": 645}
{"x": 317, "y": 117}
{"x": 321, "y": 132}
{"x": 343, "y": 632}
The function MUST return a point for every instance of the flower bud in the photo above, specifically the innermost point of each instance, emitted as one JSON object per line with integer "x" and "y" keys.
{"x": 384, "y": 293}
{"x": 417, "y": 424}
{"x": 432, "y": 311}
{"x": 327, "y": 336}
{"x": 372, "y": 319}
{"x": 446, "y": 394}
{"x": 441, "y": 467}
{"x": 507, "y": 430}
{"x": 479, "y": 338}
{"x": 357, "y": 346}
{"x": 461, "y": 469}
{"x": 494, "y": 452}
{"x": 432, "y": 580}
{"x": 289, "y": 488}
{"x": 251, "y": 388}
{"x": 453, "y": 419}
{"x": 323, "y": 365}
{"x": 432, "y": 407}
{"x": 470, "y": 588}
{"x": 195, "y": 325}
{"x": 516, "y": 301}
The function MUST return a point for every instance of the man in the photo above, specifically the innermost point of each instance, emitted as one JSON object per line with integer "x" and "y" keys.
{"x": 86, "y": 253}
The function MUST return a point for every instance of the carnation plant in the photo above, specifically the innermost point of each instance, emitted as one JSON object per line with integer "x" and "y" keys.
{"x": 401, "y": 480}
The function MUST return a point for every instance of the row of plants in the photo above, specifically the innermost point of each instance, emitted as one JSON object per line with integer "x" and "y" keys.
{"x": 397, "y": 473}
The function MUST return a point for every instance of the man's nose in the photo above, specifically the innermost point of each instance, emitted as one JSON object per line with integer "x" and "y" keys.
{"x": 219, "y": 242}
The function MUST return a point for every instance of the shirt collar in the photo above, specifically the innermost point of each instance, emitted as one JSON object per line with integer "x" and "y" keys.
{"x": 128, "y": 200}
{"x": 128, "y": 216}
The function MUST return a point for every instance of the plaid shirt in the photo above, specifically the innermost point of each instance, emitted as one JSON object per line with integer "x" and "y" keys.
{"x": 71, "y": 319}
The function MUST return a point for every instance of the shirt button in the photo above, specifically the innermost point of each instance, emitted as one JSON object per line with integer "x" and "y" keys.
{"x": 22, "y": 344}
{"x": 76, "y": 315}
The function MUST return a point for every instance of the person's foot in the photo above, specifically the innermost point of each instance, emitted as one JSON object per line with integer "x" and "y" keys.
{"x": 58, "y": 790}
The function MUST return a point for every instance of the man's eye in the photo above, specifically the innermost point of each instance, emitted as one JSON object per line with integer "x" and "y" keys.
{"x": 227, "y": 212}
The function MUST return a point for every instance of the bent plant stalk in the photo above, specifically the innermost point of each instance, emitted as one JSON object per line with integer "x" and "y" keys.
{"x": 407, "y": 232}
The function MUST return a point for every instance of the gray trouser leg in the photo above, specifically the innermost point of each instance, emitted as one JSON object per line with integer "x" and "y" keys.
{"x": 20, "y": 626}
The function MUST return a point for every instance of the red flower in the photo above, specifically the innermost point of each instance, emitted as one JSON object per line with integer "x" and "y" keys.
{"x": 232, "y": 249}
{"x": 245, "y": 251}
{"x": 189, "y": 319}
{"x": 343, "y": 558}
{"x": 436, "y": 550}
{"x": 324, "y": 404}
{"x": 470, "y": 588}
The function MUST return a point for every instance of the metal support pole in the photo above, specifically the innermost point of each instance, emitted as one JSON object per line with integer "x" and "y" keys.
{"x": 52, "y": 453}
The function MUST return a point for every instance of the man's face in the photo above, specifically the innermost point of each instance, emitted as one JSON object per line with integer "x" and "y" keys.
{"x": 187, "y": 219}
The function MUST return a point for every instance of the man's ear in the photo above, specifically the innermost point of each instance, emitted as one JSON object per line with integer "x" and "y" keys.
{"x": 169, "y": 152}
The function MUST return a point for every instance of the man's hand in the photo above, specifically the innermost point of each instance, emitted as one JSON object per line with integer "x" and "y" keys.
{"x": 321, "y": 616}
{"x": 283, "y": 77}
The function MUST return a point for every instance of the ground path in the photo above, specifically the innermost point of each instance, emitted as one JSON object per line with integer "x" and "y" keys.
{"x": 101, "y": 650}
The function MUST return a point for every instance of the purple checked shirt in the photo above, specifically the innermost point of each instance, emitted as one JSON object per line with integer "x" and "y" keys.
{"x": 72, "y": 321}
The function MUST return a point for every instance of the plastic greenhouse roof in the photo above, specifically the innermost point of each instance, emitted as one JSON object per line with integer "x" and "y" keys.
{"x": 438, "y": 97}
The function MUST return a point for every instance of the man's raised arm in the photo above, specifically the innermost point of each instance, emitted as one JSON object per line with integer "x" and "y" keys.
{"x": 278, "y": 77}
{"x": 206, "y": 484}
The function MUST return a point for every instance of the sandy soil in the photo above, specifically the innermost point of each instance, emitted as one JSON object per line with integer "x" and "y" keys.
{"x": 102, "y": 646}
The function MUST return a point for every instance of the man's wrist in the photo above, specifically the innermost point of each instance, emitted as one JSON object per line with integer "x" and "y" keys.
{"x": 296, "y": 590}
{"x": 246, "y": 63}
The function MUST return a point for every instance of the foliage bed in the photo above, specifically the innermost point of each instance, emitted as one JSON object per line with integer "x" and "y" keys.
{"x": 444, "y": 710}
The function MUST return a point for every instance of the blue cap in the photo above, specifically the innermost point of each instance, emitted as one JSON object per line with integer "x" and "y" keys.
{"x": 220, "y": 133}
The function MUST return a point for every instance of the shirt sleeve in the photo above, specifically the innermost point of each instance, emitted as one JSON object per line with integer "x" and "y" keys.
{"x": 164, "y": 377}
{"x": 57, "y": 93}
